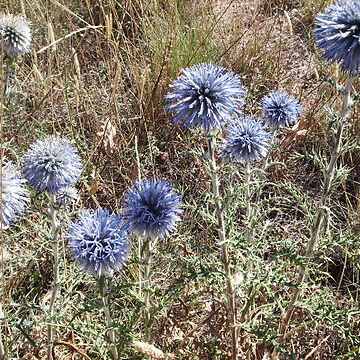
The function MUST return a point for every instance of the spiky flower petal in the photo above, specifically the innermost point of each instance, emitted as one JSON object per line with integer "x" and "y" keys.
{"x": 280, "y": 109}
{"x": 51, "y": 164}
{"x": 14, "y": 195}
{"x": 98, "y": 241}
{"x": 204, "y": 96}
{"x": 338, "y": 33}
{"x": 247, "y": 140}
{"x": 152, "y": 209}
{"x": 15, "y": 35}
{"x": 67, "y": 196}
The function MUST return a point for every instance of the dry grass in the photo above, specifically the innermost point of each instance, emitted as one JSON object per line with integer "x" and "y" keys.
{"x": 103, "y": 87}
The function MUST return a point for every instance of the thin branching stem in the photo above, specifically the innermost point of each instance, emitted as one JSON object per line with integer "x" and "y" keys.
{"x": 56, "y": 271}
{"x": 320, "y": 212}
{"x": 104, "y": 291}
{"x": 223, "y": 245}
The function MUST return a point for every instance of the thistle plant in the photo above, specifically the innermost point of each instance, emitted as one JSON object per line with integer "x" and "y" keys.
{"x": 205, "y": 96}
{"x": 15, "y": 39}
{"x": 14, "y": 195}
{"x": 52, "y": 165}
{"x": 98, "y": 241}
{"x": 66, "y": 196}
{"x": 246, "y": 141}
{"x": 151, "y": 211}
{"x": 338, "y": 35}
{"x": 280, "y": 109}
{"x": 13, "y": 200}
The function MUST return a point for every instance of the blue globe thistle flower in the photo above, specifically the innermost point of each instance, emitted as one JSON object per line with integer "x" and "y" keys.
{"x": 14, "y": 195}
{"x": 338, "y": 33}
{"x": 98, "y": 241}
{"x": 66, "y": 196}
{"x": 204, "y": 96}
{"x": 15, "y": 35}
{"x": 51, "y": 164}
{"x": 280, "y": 109}
{"x": 246, "y": 140}
{"x": 151, "y": 208}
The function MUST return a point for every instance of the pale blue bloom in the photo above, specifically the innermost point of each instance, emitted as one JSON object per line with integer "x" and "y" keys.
{"x": 14, "y": 195}
{"x": 280, "y": 109}
{"x": 151, "y": 208}
{"x": 15, "y": 35}
{"x": 98, "y": 241}
{"x": 246, "y": 140}
{"x": 338, "y": 33}
{"x": 67, "y": 195}
{"x": 51, "y": 164}
{"x": 204, "y": 96}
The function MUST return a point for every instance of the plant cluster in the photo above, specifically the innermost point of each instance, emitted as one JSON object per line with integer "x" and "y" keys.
{"x": 121, "y": 249}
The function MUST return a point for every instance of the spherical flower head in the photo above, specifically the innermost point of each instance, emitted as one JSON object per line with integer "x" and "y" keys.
{"x": 204, "y": 96}
{"x": 14, "y": 195}
{"x": 51, "y": 164}
{"x": 280, "y": 109}
{"x": 15, "y": 35}
{"x": 67, "y": 196}
{"x": 338, "y": 33}
{"x": 98, "y": 241}
{"x": 247, "y": 140}
{"x": 152, "y": 209}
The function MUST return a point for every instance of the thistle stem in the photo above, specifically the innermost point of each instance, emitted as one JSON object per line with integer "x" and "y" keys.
{"x": 223, "y": 245}
{"x": 139, "y": 269}
{"x": 248, "y": 202}
{"x": 56, "y": 283}
{"x": 320, "y": 213}
{"x": 147, "y": 258}
{"x": 104, "y": 291}
{"x": 8, "y": 74}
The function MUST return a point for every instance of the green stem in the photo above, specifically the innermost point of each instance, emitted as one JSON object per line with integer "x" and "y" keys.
{"x": 320, "y": 213}
{"x": 224, "y": 246}
{"x": 104, "y": 291}
{"x": 56, "y": 283}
